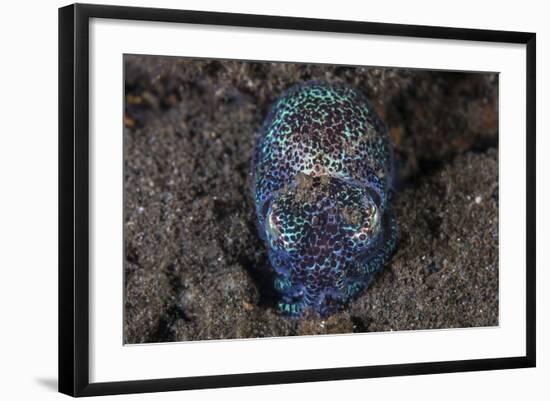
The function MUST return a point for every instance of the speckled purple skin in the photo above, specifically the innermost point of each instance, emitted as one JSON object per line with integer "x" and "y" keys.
{"x": 321, "y": 180}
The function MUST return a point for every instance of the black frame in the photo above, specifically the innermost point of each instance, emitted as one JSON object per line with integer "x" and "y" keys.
{"x": 74, "y": 191}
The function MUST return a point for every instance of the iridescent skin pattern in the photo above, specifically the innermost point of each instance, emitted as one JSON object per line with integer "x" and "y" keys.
{"x": 321, "y": 181}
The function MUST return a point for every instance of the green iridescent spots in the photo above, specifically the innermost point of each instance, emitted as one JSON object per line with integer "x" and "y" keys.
{"x": 321, "y": 169}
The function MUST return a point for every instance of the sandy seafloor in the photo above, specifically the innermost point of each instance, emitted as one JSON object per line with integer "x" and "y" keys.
{"x": 195, "y": 268}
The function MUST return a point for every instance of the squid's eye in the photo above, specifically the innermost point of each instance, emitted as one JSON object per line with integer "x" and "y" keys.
{"x": 264, "y": 209}
{"x": 366, "y": 225}
{"x": 273, "y": 227}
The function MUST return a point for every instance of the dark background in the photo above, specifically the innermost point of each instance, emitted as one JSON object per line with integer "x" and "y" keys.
{"x": 195, "y": 268}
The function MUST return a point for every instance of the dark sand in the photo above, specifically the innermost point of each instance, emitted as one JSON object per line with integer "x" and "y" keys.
{"x": 195, "y": 268}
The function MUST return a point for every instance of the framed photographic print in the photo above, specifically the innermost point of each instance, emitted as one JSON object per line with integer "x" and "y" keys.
{"x": 249, "y": 199}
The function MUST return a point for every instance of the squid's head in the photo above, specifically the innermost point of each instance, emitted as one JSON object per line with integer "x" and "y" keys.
{"x": 320, "y": 231}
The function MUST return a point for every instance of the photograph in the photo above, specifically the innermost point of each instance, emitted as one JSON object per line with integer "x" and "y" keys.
{"x": 277, "y": 198}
